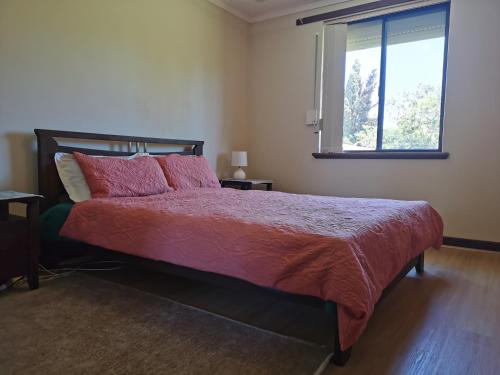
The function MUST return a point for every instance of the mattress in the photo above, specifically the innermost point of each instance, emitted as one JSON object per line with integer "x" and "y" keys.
{"x": 345, "y": 250}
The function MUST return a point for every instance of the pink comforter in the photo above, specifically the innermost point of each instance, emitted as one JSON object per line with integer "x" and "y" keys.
{"x": 339, "y": 249}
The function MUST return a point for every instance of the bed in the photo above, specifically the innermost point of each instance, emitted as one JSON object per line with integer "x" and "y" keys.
{"x": 340, "y": 254}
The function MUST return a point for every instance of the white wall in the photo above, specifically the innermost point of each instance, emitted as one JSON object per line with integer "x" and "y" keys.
{"x": 465, "y": 189}
{"x": 179, "y": 69}
{"x": 159, "y": 68}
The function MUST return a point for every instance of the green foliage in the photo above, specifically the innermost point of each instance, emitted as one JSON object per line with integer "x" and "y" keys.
{"x": 358, "y": 102}
{"x": 367, "y": 137}
{"x": 415, "y": 115}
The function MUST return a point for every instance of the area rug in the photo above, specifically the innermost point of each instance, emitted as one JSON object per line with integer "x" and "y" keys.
{"x": 85, "y": 325}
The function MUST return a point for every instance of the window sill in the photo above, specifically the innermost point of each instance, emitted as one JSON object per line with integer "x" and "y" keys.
{"x": 382, "y": 155}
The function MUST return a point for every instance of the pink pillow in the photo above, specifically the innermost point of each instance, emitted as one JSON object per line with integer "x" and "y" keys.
{"x": 187, "y": 172}
{"x": 114, "y": 177}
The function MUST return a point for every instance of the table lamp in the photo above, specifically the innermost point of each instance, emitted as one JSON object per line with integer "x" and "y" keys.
{"x": 239, "y": 159}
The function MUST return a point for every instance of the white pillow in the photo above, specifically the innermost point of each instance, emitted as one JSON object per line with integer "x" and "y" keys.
{"x": 72, "y": 176}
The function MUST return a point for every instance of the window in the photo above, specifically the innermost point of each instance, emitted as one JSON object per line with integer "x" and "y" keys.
{"x": 393, "y": 73}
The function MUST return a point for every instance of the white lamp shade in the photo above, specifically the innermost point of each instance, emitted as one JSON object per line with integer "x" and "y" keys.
{"x": 239, "y": 159}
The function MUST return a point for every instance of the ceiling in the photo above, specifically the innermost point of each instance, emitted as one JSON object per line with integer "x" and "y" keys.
{"x": 259, "y": 10}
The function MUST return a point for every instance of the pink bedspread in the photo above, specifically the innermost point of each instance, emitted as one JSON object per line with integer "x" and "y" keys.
{"x": 339, "y": 249}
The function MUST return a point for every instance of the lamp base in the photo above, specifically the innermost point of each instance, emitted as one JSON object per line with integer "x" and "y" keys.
{"x": 239, "y": 174}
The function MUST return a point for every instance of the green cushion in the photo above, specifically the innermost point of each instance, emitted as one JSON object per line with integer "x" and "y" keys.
{"x": 52, "y": 220}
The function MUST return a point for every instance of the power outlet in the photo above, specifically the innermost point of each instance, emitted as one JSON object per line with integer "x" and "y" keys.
{"x": 318, "y": 126}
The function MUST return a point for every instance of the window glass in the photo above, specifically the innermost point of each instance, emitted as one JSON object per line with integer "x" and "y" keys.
{"x": 364, "y": 45}
{"x": 413, "y": 85}
{"x": 393, "y": 81}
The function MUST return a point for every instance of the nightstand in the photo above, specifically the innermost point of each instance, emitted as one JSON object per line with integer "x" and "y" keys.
{"x": 19, "y": 238}
{"x": 246, "y": 184}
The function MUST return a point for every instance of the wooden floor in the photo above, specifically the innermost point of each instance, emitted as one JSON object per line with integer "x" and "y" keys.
{"x": 444, "y": 322}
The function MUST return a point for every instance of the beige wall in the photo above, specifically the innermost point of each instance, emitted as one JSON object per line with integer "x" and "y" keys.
{"x": 465, "y": 188}
{"x": 164, "y": 68}
{"x": 178, "y": 68}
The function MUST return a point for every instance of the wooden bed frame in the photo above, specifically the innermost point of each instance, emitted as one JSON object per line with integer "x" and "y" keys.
{"x": 52, "y": 189}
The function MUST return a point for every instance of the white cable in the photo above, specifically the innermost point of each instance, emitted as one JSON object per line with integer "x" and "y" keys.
{"x": 66, "y": 271}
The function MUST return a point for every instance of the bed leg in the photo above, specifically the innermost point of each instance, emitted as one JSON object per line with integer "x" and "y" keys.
{"x": 339, "y": 356}
{"x": 419, "y": 267}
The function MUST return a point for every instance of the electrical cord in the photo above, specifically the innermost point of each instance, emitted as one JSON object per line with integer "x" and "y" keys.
{"x": 87, "y": 267}
{"x": 47, "y": 274}
{"x": 9, "y": 284}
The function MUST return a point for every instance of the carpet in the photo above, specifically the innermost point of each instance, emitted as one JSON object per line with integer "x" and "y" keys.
{"x": 85, "y": 325}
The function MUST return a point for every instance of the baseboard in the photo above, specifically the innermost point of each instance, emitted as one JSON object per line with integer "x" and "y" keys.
{"x": 472, "y": 244}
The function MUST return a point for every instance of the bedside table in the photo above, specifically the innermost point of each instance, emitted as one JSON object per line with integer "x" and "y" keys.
{"x": 19, "y": 238}
{"x": 246, "y": 184}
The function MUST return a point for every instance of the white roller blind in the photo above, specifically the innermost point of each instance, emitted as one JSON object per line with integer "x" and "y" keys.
{"x": 387, "y": 10}
{"x": 429, "y": 24}
{"x": 333, "y": 86}
{"x": 364, "y": 35}
{"x": 404, "y": 29}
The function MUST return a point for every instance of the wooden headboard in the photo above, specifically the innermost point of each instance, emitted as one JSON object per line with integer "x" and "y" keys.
{"x": 49, "y": 184}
